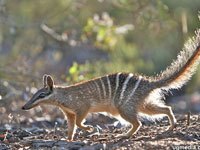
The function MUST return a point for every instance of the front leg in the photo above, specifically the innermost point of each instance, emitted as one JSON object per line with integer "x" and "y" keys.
{"x": 71, "y": 125}
{"x": 79, "y": 118}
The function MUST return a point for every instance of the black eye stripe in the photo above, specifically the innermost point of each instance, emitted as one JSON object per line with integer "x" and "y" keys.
{"x": 42, "y": 95}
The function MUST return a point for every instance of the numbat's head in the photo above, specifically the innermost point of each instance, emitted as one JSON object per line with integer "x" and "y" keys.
{"x": 43, "y": 95}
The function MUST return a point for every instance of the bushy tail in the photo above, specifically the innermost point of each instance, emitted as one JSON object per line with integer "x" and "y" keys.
{"x": 181, "y": 70}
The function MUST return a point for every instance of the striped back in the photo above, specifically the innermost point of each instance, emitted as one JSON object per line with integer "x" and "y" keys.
{"x": 116, "y": 88}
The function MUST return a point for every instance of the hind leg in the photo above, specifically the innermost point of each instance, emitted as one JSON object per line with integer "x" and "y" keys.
{"x": 131, "y": 117}
{"x": 152, "y": 109}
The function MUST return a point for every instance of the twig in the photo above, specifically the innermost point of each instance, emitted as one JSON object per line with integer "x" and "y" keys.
{"x": 54, "y": 34}
{"x": 188, "y": 118}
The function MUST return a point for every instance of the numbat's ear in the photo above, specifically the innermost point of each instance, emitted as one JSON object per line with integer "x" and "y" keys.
{"x": 45, "y": 80}
{"x": 50, "y": 82}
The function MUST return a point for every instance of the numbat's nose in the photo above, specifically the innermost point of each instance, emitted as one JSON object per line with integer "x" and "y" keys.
{"x": 25, "y": 107}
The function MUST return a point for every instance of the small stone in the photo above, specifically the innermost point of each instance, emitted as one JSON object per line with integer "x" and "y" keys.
{"x": 4, "y": 146}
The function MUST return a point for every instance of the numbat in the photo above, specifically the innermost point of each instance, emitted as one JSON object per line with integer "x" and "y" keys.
{"x": 123, "y": 94}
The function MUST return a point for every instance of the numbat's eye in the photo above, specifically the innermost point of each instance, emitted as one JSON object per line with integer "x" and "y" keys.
{"x": 42, "y": 95}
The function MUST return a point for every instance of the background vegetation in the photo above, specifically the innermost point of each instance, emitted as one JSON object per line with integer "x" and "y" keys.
{"x": 76, "y": 40}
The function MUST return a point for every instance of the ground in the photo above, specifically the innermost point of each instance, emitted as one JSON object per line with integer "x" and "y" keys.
{"x": 52, "y": 134}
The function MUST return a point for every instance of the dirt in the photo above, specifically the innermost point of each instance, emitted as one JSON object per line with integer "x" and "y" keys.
{"x": 52, "y": 134}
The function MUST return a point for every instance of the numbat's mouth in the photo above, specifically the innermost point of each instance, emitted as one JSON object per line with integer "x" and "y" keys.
{"x": 26, "y": 107}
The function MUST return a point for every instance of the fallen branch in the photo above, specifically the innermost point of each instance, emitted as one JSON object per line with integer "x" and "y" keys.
{"x": 188, "y": 118}
{"x": 61, "y": 38}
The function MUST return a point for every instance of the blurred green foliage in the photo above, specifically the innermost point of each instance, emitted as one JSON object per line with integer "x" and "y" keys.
{"x": 103, "y": 33}
{"x": 137, "y": 36}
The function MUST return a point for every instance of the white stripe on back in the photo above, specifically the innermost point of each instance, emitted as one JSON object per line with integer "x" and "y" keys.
{"x": 134, "y": 89}
{"x": 104, "y": 89}
{"x": 124, "y": 87}
{"x": 109, "y": 87}
{"x": 116, "y": 85}
{"x": 98, "y": 88}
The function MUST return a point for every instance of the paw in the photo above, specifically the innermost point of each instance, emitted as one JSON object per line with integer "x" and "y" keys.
{"x": 123, "y": 136}
{"x": 89, "y": 129}
{"x": 170, "y": 128}
{"x": 69, "y": 139}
